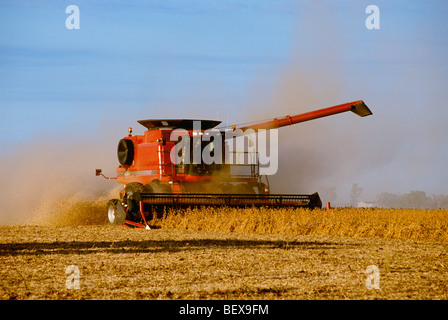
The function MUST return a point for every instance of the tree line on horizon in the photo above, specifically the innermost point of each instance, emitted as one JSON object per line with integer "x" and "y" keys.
{"x": 412, "y": 200}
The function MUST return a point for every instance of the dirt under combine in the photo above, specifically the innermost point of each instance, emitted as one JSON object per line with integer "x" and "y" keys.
{"x": 180, "y": 163}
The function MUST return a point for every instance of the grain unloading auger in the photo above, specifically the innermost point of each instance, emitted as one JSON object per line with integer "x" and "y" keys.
{"x": 180, "y": 163}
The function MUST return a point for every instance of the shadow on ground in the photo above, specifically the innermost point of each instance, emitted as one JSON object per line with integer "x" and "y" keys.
{"x": 153, "y": 246}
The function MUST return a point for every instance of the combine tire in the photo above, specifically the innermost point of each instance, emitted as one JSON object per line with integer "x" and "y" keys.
{"x": 158, "y": 187}
{"x": 114, "y": 214}
{"x": 134, "y": 188}
{"x": 133, "y": 191}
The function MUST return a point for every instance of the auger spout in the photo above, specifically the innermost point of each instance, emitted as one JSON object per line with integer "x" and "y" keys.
{"x": 357, "y": 107}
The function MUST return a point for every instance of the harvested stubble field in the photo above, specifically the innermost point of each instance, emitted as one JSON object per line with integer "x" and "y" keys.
{"x": 229, "y": 254}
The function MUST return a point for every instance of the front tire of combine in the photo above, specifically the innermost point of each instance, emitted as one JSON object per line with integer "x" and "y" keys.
{"x": 115, "y": 216}
{"x": 133, "y": 192}
{"x": 134, "y": 187}
{"x": 158, "y": 187}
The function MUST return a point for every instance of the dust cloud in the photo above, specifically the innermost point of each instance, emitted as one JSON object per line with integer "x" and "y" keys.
{"x": 397, "y": 149}
{"x": 39, "y": 176}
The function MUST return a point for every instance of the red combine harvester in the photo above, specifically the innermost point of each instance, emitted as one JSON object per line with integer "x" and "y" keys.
{"x": 165, "y": 167}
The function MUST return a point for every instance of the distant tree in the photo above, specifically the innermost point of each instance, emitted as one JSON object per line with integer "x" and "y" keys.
{"x": 439, "y": 201}
{"x": 355, "y": 194}
{"x": 413, "y": 199}
{"x": 387, "y": 200}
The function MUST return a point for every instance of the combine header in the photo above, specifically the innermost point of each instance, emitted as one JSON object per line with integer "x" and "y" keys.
{"x": 179, "y": 163}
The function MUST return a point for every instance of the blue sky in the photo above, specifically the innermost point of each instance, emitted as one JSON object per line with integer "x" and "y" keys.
{"x": 129, "y": 53}
{"x": 238, "y": 61}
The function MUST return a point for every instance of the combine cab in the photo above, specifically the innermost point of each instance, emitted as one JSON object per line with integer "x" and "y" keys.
{"x": 179, "y": 163}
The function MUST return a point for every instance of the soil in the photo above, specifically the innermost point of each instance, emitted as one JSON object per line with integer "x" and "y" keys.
{"x": 115, "y": 262}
